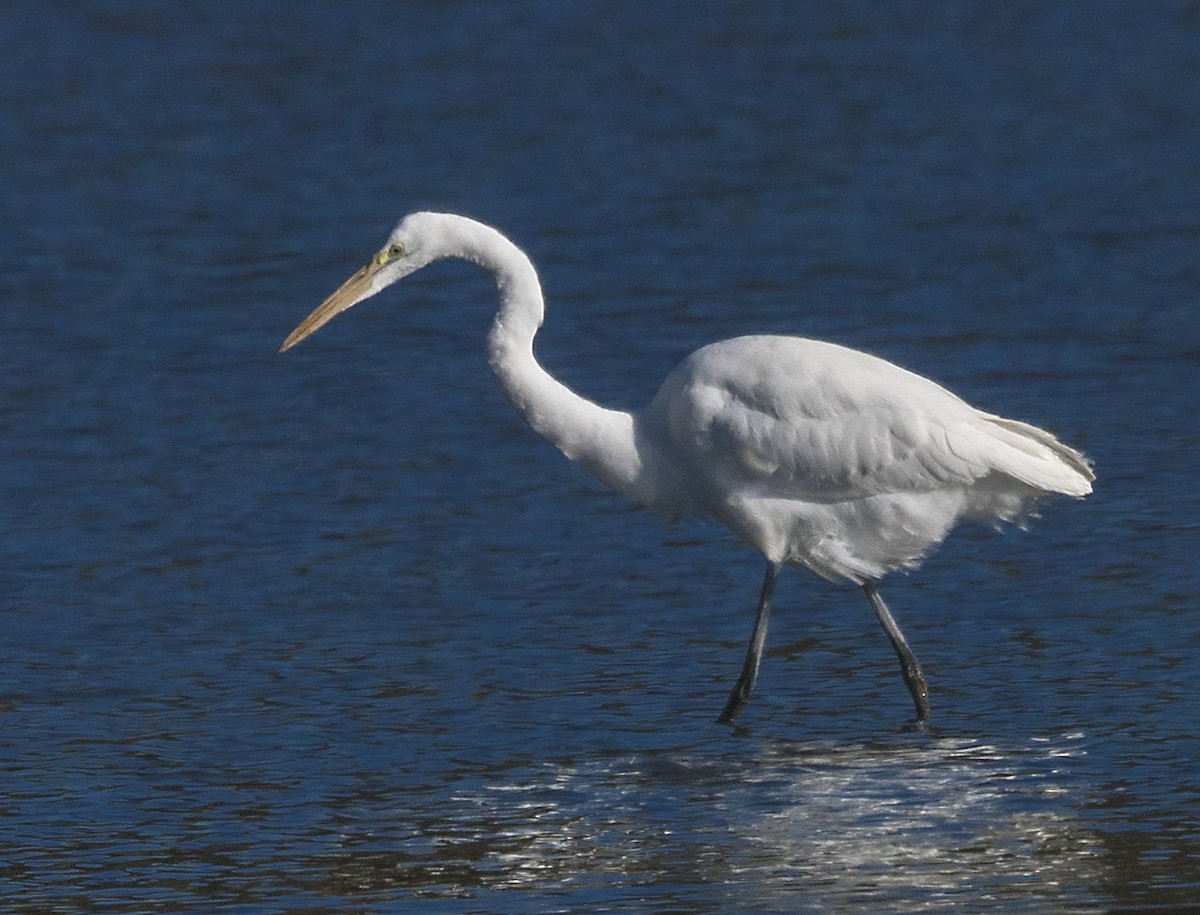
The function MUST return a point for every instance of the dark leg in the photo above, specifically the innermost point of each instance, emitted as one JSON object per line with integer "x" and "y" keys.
{"x": 745, "y": 682}
{"x": 913, "y": 677}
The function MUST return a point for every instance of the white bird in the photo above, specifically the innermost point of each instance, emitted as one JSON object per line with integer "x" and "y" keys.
{"x": 817, "y": 455}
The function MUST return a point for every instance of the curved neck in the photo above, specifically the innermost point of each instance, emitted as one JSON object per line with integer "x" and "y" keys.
{"x": 602, "y": 441}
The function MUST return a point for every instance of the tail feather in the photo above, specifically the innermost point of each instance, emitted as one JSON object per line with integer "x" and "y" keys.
{"x": 1038, "y": 459}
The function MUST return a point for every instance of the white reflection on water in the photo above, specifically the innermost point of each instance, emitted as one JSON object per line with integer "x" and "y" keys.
{"x": 931, "y": 824}
{"x": 927, "y": 823}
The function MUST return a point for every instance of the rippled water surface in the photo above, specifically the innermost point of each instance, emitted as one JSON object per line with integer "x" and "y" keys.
{"x": 335, "y": 632}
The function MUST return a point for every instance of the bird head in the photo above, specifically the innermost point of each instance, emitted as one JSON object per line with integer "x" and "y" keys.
{"x": 414, "y": 243}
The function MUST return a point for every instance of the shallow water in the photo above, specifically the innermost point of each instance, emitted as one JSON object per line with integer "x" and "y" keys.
{"x": 334, "y": 631}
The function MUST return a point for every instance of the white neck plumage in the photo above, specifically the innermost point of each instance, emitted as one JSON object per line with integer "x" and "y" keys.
{"x": 602, "y": 441}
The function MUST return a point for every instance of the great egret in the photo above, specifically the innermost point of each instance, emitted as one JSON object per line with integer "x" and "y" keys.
{"x": 817, "y": 455}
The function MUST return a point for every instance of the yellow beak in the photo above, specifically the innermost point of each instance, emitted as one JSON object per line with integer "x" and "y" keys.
{"x": 351, "y": 292}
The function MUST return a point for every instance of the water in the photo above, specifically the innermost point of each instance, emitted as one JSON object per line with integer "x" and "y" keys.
{"x": 335, "y": 632}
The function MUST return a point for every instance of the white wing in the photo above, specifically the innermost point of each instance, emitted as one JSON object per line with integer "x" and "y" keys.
{"x": 808, "y": 420}
{"x": 811, "y": 449}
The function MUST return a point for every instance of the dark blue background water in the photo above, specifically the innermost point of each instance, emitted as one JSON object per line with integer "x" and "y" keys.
{"x": 334, "y": 631}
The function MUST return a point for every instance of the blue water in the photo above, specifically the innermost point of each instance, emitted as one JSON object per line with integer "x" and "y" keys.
{"x": 335, "y": 632}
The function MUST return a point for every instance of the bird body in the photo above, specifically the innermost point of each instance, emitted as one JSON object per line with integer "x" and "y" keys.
{"x": 827, "y": 457}
{"x": 816, "y": 454}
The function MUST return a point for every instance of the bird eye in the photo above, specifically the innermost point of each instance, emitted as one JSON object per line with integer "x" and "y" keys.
{"x": 389, "y": 254}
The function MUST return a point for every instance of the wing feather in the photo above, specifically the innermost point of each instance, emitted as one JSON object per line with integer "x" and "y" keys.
{"x": 819, "y": 422}
{"x": 802, "y": 419}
